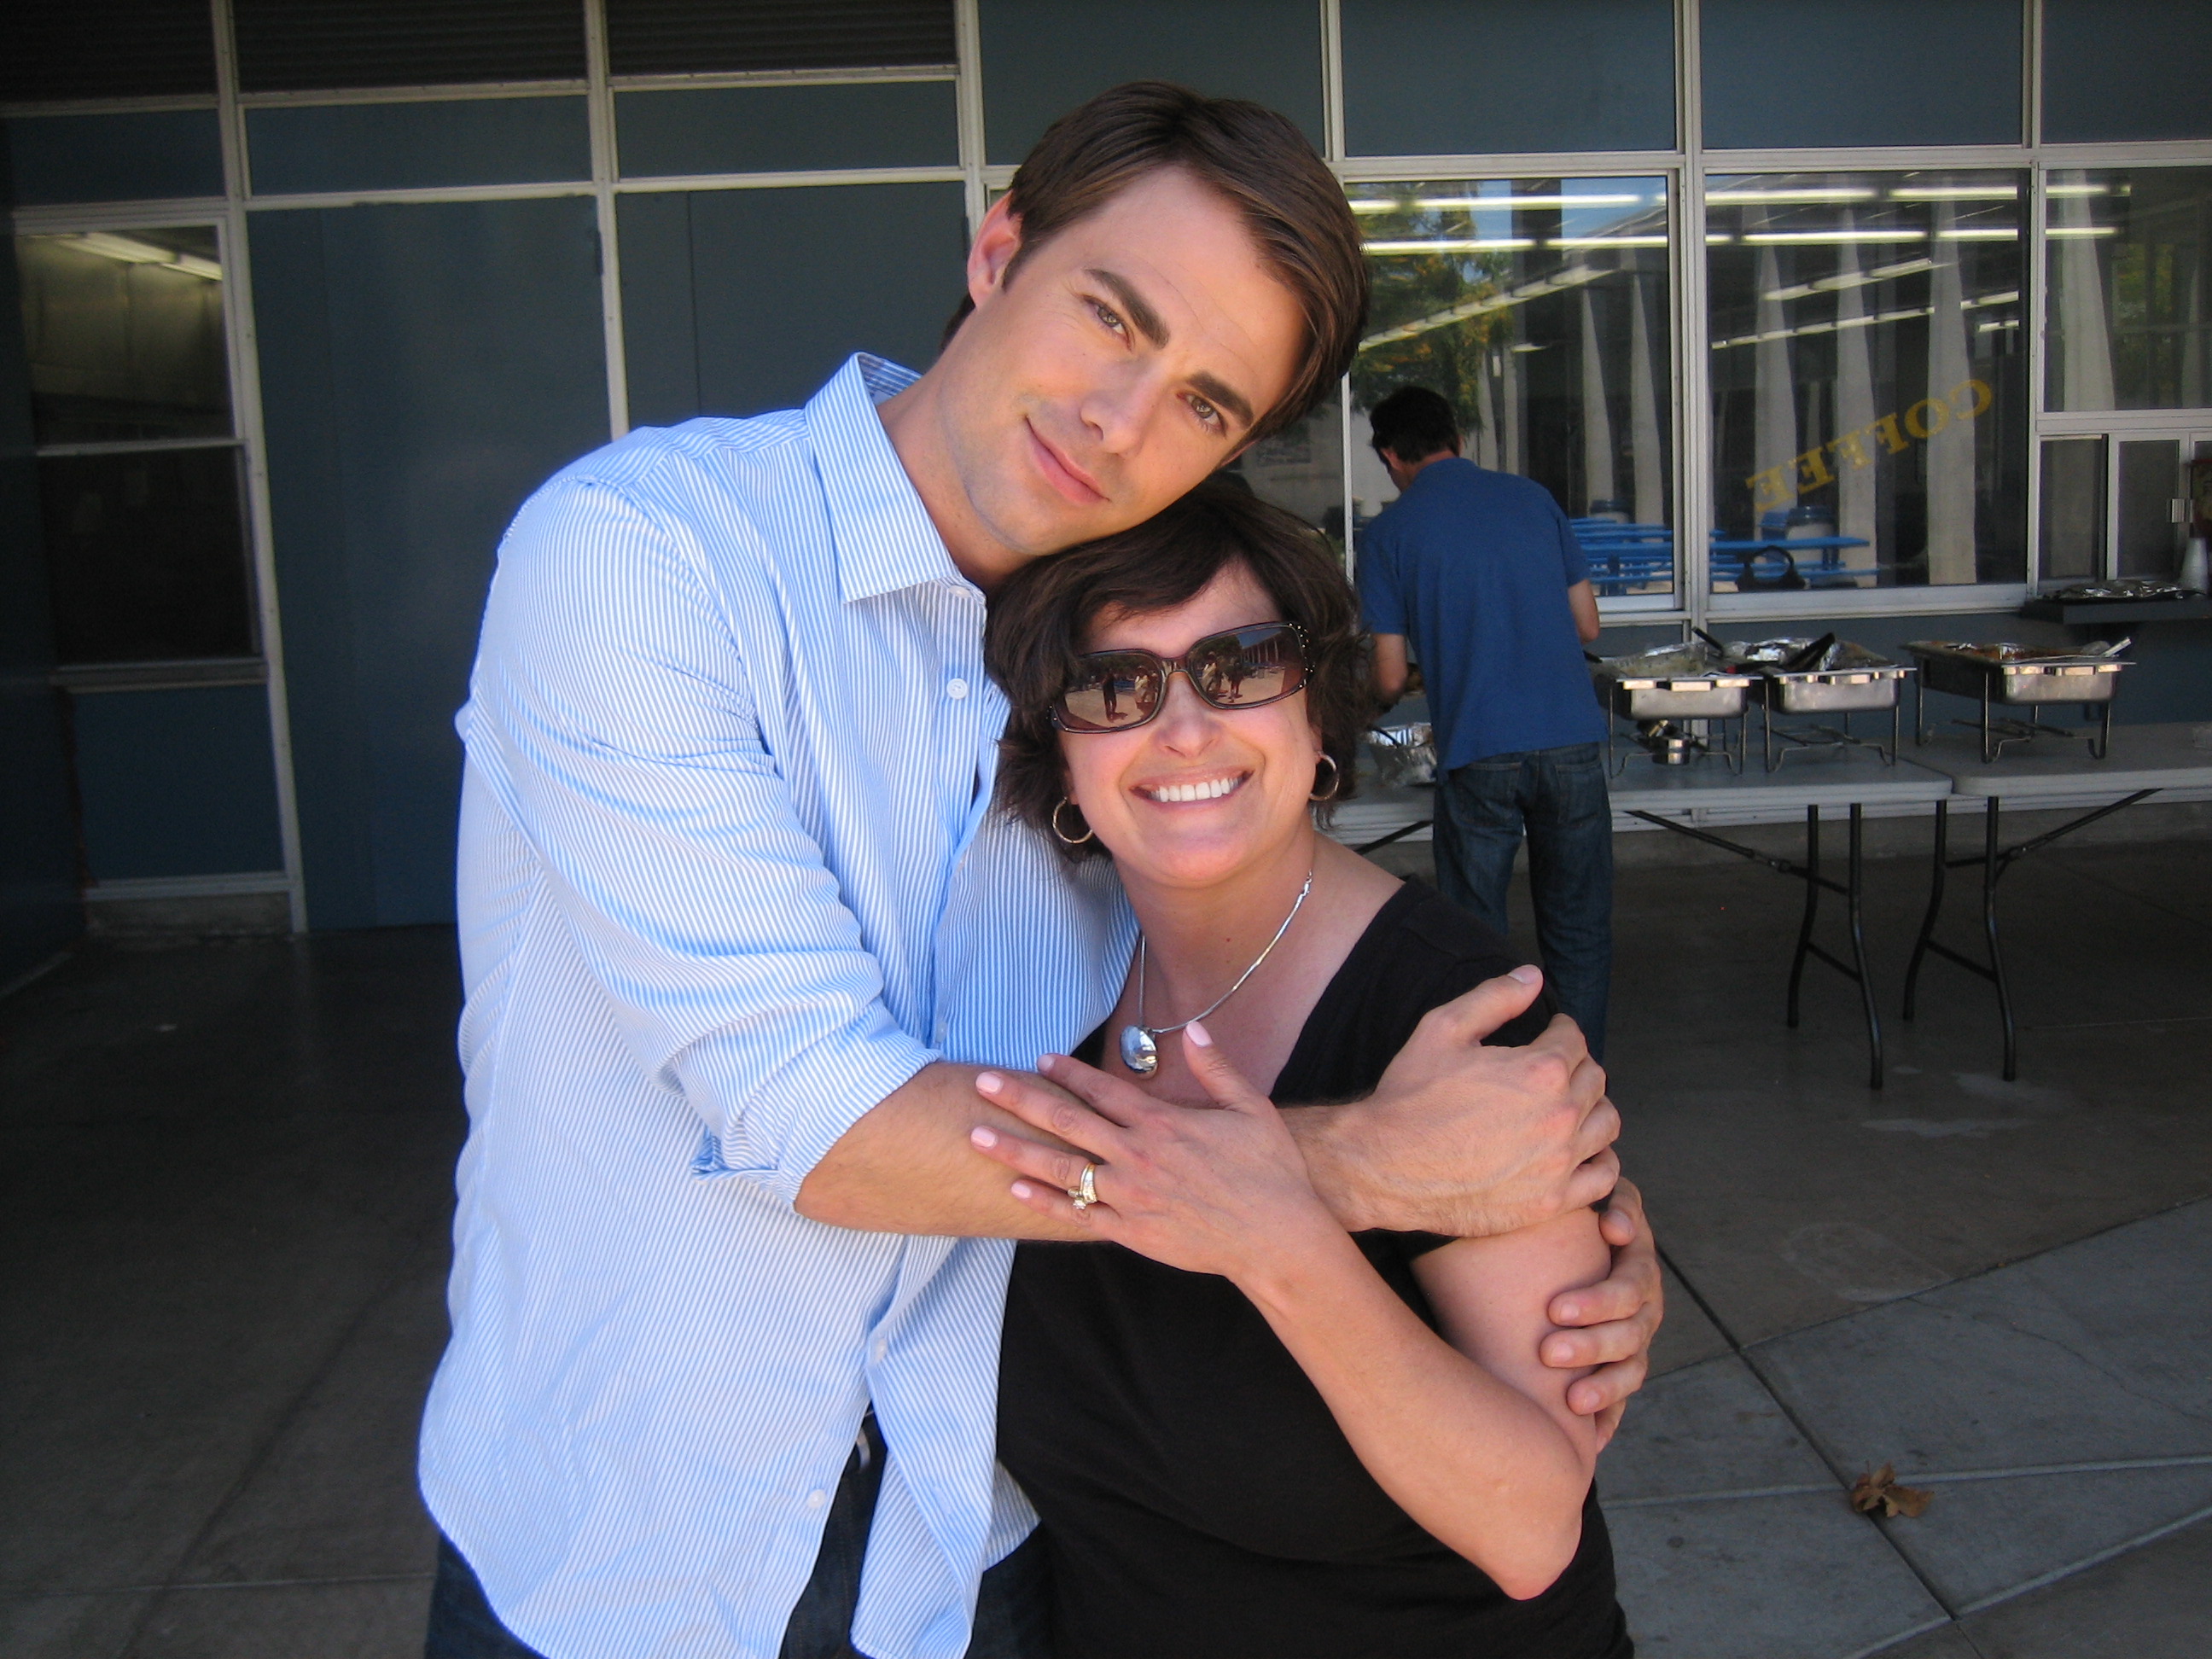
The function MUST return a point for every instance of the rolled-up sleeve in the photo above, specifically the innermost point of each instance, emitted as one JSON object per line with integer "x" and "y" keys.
{"x": 611, "y": 721}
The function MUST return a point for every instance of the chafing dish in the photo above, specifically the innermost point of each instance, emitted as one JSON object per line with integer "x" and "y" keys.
{"x": 1679, "y": 682}
{"x": 2019, "y": 674}
{"x": 1840, "y": 678}
{"x": 1671, "y": 694}
{"x": 2002, "y": 674}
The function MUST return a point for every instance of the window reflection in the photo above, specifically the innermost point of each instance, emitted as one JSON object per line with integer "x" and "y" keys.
{"x": 1869, "y": 380}
{"x": 1539, "y": 308}
{"x": 124, "y": 334}
{"x": 2130, "y": 268}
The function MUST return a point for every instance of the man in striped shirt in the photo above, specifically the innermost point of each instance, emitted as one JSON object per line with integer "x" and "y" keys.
{"x": 739, "y": 933}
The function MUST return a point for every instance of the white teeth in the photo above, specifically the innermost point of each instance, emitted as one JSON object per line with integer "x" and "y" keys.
{"x": 1182, "y": 792}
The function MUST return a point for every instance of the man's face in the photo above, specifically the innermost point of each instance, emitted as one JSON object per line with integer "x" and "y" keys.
{"x": 1129, "y": 356}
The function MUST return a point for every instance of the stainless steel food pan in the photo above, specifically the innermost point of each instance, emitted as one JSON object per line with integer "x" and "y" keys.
{"x": 1832, "y": 691}
{"x": 2015, "y": 675}
{"x": 1687, "y": 696}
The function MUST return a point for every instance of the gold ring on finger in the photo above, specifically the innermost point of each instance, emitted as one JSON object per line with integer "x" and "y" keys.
{"x": 1084, "y": 1192}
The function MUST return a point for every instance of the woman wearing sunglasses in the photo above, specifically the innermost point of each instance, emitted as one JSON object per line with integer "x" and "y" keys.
{"x": 1248, "y": 1433}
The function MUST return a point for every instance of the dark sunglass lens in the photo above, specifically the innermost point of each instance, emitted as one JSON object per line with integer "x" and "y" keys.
{"x": 1111, "y": 692}
{"x": 1251, "y": 666}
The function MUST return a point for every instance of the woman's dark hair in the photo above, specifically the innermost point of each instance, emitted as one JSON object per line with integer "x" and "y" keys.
{"x": 1290, "y": 202}
{"x": 1413, "y": 423}
{"x": 1041, "y": 615}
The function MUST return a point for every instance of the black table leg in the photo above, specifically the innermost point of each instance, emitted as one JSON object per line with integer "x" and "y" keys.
{"x": 1935, "y": 880}
{"x": 1812, "y": 908}
{"x": 1858, "y": 945}
{"x": 1995, "y": 860}
{"x": 1993, "y": 866}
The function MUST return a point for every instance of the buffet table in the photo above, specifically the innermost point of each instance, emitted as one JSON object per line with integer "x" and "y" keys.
{"x": 1687, "y": 800}
{"x": 2056, "y": 770}
{"x": 1682, "y": 798}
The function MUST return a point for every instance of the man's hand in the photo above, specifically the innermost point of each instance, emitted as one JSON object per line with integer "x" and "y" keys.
{"x": 1465, "y": 1140}
{"x": 1611, "y": 1325}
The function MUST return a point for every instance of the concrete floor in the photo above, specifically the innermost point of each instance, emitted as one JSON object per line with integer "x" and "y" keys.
{"x": 229, "y": 1173}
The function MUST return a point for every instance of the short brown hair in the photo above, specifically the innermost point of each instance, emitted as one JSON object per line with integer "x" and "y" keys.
{"x": 1293, "y": 206}
{"x": 1041, "y": 615}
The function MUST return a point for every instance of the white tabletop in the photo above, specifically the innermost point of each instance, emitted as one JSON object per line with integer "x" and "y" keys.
{"x": 1838, "y": 777}
{"x": 1810, "y": 777}
{"x": 2053, "y": 768}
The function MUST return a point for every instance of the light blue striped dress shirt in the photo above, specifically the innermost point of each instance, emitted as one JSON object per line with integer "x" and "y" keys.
{"x": 728, "y": 877}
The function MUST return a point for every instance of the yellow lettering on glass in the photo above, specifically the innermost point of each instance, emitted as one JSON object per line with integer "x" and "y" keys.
{"x": 1941, "y": 418}
{"x": 1778, "y": 485}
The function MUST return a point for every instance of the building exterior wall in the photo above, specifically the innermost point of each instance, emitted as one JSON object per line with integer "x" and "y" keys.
{"x": 436, "y": 294}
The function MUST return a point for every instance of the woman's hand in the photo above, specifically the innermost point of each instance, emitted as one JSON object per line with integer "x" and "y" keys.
{"x": 1210, "y": 1190}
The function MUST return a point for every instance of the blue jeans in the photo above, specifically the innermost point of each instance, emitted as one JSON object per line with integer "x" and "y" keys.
{"x": 1556, "y": 797}
{"x": 1013, "y": 1618}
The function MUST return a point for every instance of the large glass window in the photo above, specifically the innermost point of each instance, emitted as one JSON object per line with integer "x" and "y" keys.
{"x": 1869, "y": 380}
{"x": 1539, "y": 308}
{"x": 139, "y": 472}
{"x": 2130, "y": 271}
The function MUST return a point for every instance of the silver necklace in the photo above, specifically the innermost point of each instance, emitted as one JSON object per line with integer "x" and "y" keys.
{"x": 1139, "y": 1044}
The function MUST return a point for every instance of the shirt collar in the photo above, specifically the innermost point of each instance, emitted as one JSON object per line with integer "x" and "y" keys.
{"x": 883, "y": 534}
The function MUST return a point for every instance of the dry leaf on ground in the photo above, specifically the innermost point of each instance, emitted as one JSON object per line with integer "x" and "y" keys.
{"x": 1880, "y": 1493}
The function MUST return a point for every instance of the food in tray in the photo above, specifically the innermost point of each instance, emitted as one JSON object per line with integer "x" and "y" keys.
{"x": 1841, "y": 656}
{"x": 2002, "y": 651}
{"x": 2121, "y": 588}
{"x": 1666, "y": 662}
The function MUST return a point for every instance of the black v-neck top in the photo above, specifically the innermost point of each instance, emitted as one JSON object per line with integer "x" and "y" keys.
{"x": 1199, "y": 1500}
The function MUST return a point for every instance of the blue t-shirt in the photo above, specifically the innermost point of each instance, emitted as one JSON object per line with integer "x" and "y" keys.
{"x": 1473, "y": 566}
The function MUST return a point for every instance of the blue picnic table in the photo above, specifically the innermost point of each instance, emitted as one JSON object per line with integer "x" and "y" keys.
{"x": 1623, "y": 557}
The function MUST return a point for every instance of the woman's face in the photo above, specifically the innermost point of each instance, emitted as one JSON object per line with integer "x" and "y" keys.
{"x": 1201, "y": 793}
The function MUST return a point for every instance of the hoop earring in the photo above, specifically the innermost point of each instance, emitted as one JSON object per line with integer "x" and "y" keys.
{"x": 1335, "y": 778}
{"x": 1067, "y": 840}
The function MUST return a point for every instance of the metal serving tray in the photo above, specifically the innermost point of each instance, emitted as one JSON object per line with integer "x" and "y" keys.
{"x": 2015, "y": 675}
{"x": 1678, "y": 683}
{"x": 1847, "y": 678}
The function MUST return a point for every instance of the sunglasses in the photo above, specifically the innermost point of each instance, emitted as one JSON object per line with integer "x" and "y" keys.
{"x": 1244, "y": 668}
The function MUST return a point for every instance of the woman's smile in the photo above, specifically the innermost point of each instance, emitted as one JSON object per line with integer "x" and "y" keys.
{"x": 1184, "y": 792}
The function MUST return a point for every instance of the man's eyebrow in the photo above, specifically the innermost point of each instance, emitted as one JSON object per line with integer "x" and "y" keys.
{"x": 1147, "y": 322}
{"x": 1216, "y": 391}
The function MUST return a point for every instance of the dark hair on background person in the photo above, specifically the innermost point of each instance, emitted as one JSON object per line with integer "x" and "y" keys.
{"x": 1293, "y": 206}
{"x": 1413, "y": 423}
{"x": 1041, "y": 615}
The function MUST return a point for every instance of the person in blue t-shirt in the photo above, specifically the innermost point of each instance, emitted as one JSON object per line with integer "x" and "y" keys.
{"x": 1479, "y": 571}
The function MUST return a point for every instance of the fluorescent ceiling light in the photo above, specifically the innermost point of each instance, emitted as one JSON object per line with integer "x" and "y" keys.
{"x": 1525, "y": 346}
{"x": 1980, "y": 234}
{"x": 2081, "y": 230}
{"x": 1829, "y": 285}
{"x": 2010, "y": 296}
{"x": 129, "y": 251}
{"x": 1823, "y": 238}
{"x": 1605, "y": 241}
{"x": 1495, "y": 204}
{"x": 1486, "y": 244}
{"x": 2077, "y": 189}
{"x": 1571, "y": 277}
{"x": 1836, "y": 326}
{"x": 1956, "y": 193}
{"x": 1793, "y": 194}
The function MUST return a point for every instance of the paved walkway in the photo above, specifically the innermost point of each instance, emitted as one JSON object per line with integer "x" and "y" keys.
{"x": 228, "y": 1172}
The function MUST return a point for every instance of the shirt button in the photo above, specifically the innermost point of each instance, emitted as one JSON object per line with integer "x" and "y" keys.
{"x": 814, "y": 1500}
{"x": 883, "y": 1351}
{"x": 956, "y": 689}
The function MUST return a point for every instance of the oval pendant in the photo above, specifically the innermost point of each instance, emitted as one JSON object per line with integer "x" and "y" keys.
{"x": 1139, "y": 1052}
